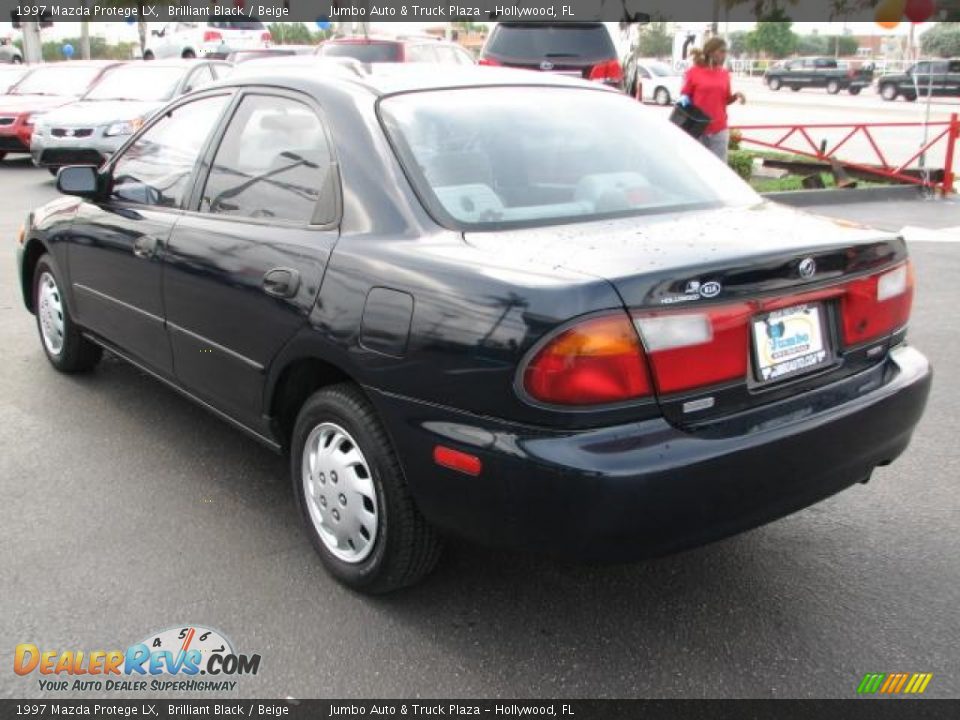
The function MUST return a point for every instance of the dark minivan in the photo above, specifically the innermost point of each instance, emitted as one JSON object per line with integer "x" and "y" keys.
{"x": 518, "y": 308}
{"x": 583, "y": 50}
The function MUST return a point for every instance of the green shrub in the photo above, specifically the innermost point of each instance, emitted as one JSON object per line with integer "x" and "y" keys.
{"x": 741, "y": 162}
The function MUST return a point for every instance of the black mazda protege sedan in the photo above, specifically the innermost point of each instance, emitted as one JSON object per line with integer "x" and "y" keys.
{"x": 515, "y": 307}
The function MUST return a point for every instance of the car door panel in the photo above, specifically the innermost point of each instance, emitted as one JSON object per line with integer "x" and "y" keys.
{"x": 117, "y": 281}
{"x": 267, "y": 206}
{"x": 224, "y": 326}
{"x": 117, "y": 243}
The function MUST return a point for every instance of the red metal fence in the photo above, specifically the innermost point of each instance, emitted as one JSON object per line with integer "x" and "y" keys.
{"x": 797, "y": 140}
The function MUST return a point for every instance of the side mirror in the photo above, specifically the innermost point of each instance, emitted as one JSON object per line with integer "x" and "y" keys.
{"x": 79, "y": 180}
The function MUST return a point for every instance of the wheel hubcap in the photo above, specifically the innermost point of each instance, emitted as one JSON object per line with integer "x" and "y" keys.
{"x": 50, "y": 313}
{"x": 339, "y": 493}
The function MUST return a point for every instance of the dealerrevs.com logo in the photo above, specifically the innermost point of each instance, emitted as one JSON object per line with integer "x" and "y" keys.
{"x": 188, "y": 659}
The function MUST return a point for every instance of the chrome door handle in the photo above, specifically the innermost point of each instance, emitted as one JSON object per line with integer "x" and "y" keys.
{"x": 281, "y": 282}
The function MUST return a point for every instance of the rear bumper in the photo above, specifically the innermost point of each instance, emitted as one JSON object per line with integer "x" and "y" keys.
{"x": 649, "y": 488}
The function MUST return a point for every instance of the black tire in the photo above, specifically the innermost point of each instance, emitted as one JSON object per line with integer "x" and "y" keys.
{"x": 2, "y": 156}
{"x": 912, "y": 97}
{"x": 795, "y": 88}
{"x": 855, "y": 89}
{"x": 889, "y": 92}
{"x": 77, "y": 353}
{"x": 148, "y": 55}
{"x": 17, "y": 60}
{"x": 774, "y": 84}
{"x": 833, "y": 87}
{"x": 662, "y": 96}
{"x": 188, "y": 54}
{"x": 406, "y": 546}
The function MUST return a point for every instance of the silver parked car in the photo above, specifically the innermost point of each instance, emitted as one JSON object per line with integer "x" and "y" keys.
{"x": 93, "y": 128}
{"x": 10, "y": 53}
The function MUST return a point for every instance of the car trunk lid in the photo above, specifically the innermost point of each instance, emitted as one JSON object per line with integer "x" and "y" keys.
{"x": 760, "y": 268}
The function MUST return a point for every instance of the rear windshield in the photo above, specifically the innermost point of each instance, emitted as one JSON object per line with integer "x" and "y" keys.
{"x": 60, "y": 79}
{"x": 236, "y": 24}
{"x": 515, "y": 156}
{"x": 364, "y": 52}
{"x": 531, "y": 41}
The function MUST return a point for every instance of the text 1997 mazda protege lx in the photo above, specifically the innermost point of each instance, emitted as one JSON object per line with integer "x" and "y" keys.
{"x": 514, "y": 307}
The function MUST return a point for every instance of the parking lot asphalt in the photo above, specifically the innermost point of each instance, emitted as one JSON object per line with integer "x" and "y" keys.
{"x": 125, "y": 509}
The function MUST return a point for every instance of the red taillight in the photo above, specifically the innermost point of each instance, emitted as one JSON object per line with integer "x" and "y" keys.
{"x": 877, "y": 305}
{"x": 609, "y": 71}
{"x": 688, "y": 350}
{"x": 601, "y": 360}
{"x": 456, "y": 460}
{"x": 265, "y": 36}
{"x": 488, "y": 61}
{"x": 212, "y": 36}
{"x": 596, "y": 362}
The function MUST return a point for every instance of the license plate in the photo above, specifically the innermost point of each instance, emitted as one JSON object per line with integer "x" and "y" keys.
{"x": 789, "y": 342}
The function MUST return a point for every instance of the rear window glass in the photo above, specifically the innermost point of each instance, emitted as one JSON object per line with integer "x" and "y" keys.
{"x": 236, "y": 24}
{"x": 587, "y": 42}
{"x": 364, "y": 52}
{"x": 514, "y": 156}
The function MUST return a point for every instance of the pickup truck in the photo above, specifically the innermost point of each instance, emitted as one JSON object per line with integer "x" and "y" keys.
{"x": 830, "y": 73}
{"x": 933, "y": 77}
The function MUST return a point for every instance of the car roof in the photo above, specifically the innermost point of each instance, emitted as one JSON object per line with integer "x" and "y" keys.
{"x": 173, "y": 62}
{"x": 389, "y": 78}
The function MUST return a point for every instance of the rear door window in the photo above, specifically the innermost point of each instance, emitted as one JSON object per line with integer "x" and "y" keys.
{"x": 203, "y": 75}
{"x": 273, "y": 163}
{"x": 573, "y": 41}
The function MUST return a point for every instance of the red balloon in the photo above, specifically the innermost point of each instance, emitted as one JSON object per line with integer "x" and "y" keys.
{"x": 918, "y": 11}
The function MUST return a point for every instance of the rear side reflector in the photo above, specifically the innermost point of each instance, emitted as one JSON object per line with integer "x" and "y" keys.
{"x": 689, "y": 350}
{"x": 456, "y": 460}
{"x": 877, "y": 305}
{"x": 596, "y": 362}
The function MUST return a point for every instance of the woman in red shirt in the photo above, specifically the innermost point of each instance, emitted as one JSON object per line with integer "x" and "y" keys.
{"x": 707, "y": 85}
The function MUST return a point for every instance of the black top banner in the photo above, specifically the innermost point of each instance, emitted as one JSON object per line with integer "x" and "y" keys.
{"x": 471, "y": 10}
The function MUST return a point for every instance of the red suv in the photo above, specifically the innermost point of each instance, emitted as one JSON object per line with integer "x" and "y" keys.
{"x": 401, "y": 49}
{"x": 577, "y": 49}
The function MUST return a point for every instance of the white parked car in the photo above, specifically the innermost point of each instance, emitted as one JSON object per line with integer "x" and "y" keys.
{"x": 214, "y": 38}
{"x": 658, "y": 81}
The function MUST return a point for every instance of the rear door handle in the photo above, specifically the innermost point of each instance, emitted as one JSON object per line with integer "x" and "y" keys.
{"x": 145, "y": 246}
{"x": 281, "y": 282}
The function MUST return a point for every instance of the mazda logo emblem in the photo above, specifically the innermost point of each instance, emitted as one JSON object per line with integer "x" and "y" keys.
{"x": 808, "y": 267}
